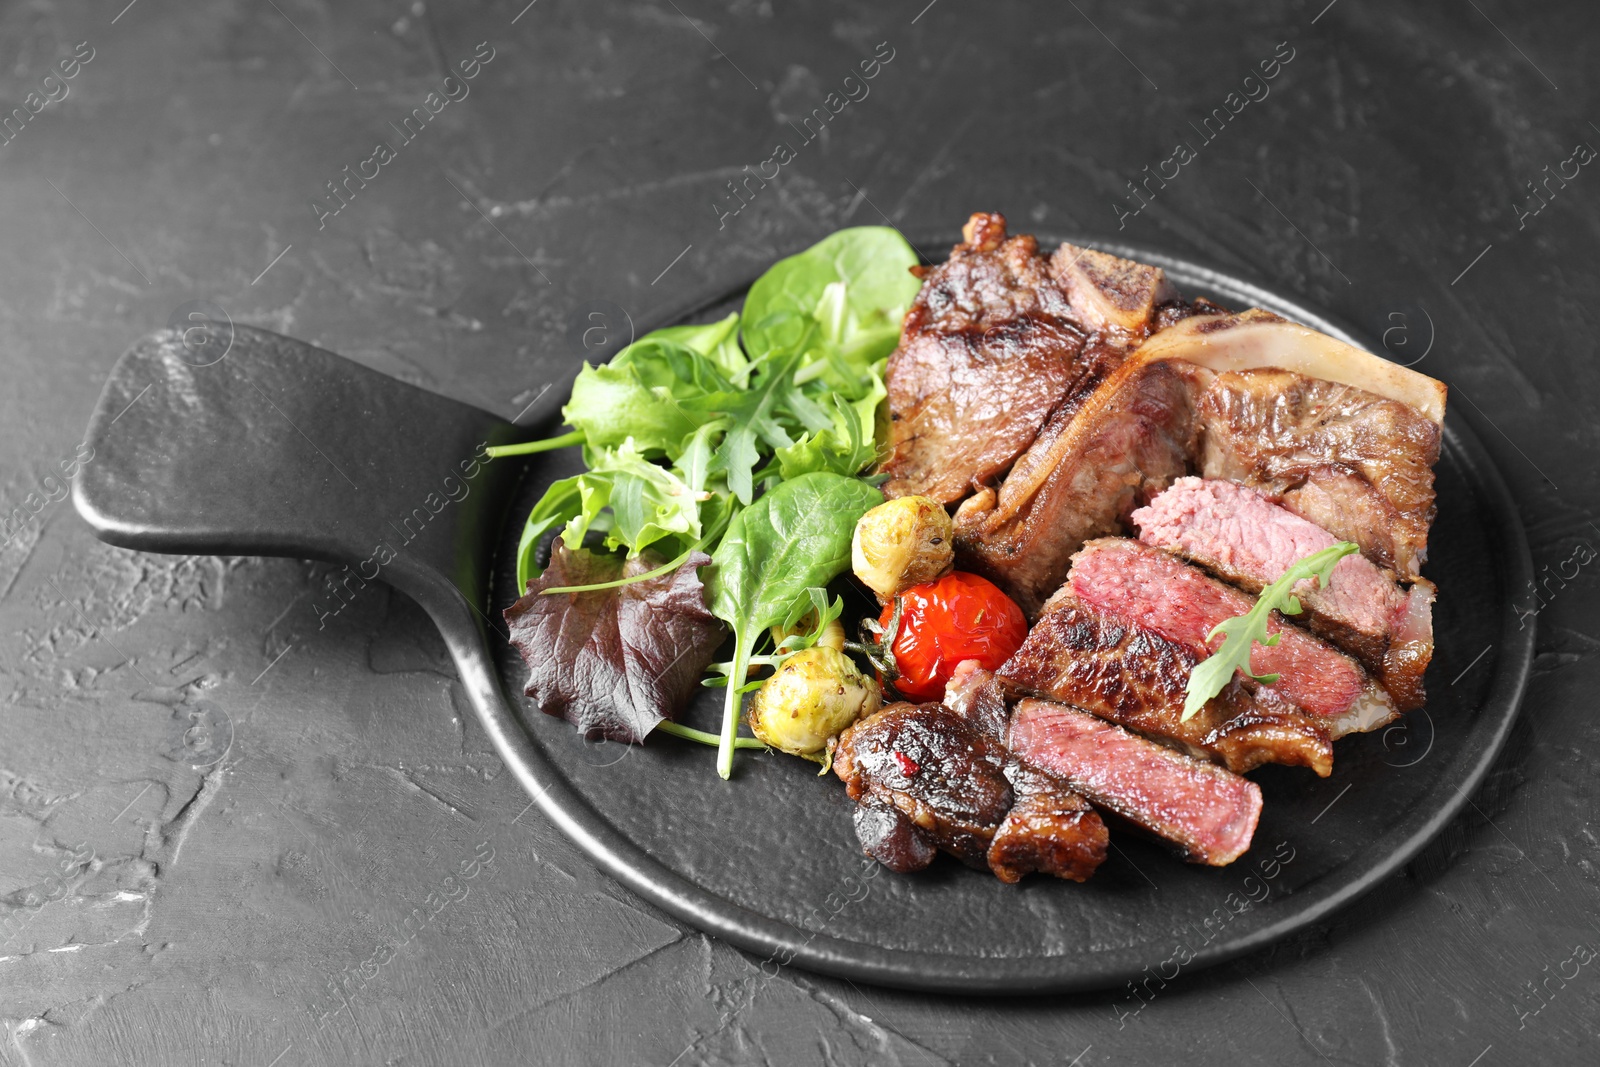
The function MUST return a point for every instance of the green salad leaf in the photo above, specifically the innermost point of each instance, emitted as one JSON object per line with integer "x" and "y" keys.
{"x": 793, "y": 538}
{"x": 854, "y": 285}
{"x": 655, "y": 392}
{"x": 718, "y": 341}
{"x": 1244, "y": 632}
{"x": 845, "y": 446}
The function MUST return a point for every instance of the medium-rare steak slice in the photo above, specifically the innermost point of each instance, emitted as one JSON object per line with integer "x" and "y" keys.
{"x": 1355, "y": 463}
{"x": 1133, "y": 676}
{"x": 929, "y": 777}
{"x": 1208, "y": 812}
{"x": 997, "y": 338}
{"x": 1183, "y": 604}
{"x": 1240, "y": 536}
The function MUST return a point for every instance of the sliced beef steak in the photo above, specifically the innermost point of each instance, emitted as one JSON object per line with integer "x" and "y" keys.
{"x": 1355, "y": 463}
{"x": 1334, "y": 433}
{"x": 1183, "y": 604}
{"x": 1131, "y": 675}
{"x": 1206, "y": 811}
{"x": 930, "y": 777}
{"x": 1240, "y": 536}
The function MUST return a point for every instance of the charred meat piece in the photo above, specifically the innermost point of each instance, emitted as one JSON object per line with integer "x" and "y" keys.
{"x": 1100, "y": 456}
{"x": 1000, "y": 336}
{"x": 1159, "y": 592}
{"x": 930, "y": 777}
{"x": 1108, "y": 294}
{"x": 1206, "y": 811}
{"x": 1243, "y": 538}
{"x": 1050, "y": 829}
{"x": 1131, "y": 675}
{"x": 988, "y": 349}
{"x": 1358, "y": 464}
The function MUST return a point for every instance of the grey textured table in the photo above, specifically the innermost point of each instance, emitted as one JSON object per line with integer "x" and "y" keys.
{"x": 231, "y": 835}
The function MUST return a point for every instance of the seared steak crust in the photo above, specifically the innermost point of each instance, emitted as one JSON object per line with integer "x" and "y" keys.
{"x": 930, "y": 777}
{"x": 1099, "y": 457}
{"x": 1357, "y": 464}
{"x": 1000, "y": 337}
{"x": 1132, "y": 676}
{"x": 988, "y": 349}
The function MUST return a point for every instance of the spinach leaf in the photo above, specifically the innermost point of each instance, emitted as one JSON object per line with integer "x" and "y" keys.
{"x": 792, "y": 538}
{"x": 855, "y": 284}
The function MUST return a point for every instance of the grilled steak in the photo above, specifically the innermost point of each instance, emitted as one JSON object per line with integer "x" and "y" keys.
{"x": 1131, "y": 675}
{"x": 998, "y": 338}
{"x": 1243, "y": 538}
{"x": 1100, "y": 456}
{"x": 1147, "y": 586}
{"x": 988, "y": 349}
{"x": 930, "y": 777}
{"x": 1349, "y": 444}
{"x": 1109, "y": 295}
{"x": 1206, "y": 811}
{"x": 1357, "y": 464}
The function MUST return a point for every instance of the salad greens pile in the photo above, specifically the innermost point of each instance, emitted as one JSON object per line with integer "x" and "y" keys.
{"x": 742, "y": 438}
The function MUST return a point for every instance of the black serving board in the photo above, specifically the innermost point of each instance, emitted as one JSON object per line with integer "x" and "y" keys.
{"x": 769, "y": 859}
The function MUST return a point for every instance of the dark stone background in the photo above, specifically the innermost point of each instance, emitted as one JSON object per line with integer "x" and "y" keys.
{"x": 263, "y": 803}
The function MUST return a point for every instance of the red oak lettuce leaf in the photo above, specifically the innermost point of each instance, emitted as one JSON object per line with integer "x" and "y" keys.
{"x": 614, "y": 662}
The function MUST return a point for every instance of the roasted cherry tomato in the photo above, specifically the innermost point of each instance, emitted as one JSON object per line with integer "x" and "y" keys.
{"x": 958, "y": 617}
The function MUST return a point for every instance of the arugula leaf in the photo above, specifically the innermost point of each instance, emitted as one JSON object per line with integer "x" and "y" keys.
{"x": 793, "y": 538}
{"x": 1245, "y": 631}
{"x": 753, "y": 415}
{"x": 846, "y": 446}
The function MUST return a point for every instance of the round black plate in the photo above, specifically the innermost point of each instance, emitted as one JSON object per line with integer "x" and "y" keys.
{"x": 769, "y": 861}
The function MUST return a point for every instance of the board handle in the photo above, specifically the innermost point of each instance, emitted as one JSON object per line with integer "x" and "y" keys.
{"x": 230, "y": 440}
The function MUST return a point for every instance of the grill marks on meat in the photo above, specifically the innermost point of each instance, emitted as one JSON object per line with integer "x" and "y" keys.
{"x": 1357, "y": 464}
{"x": 1000, "y": 337}
{"x": 1109, "y": 294}
{"x": 1133, "y": 676}
{"x": 1055, "y": 398}
{"x": 988, "y": 349}
{"x": 1241, "y": 537}
{"x": 930, "y": 777}
{"x": 965, "y": 404}
{"x": 1153, "y": 589}
{"x": 1206, "y": 811}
